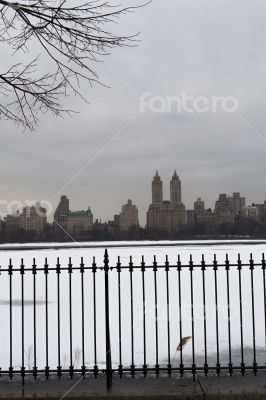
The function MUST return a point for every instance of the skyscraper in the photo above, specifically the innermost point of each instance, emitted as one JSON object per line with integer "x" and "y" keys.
{"x": 175, "y": 190}
{"x": 62, "y": 208}
{"x": 168, "y": 215}
{"x": 157, "y": 189}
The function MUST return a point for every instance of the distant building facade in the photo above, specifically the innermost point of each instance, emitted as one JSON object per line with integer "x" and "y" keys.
{"x": 2, "y": 225}
{"x": 62, "y": 208}
{"x": 31, "y": 219}
{"x": 166, "y": 215}
{"x": 223, "y": 212}
{"x": 261, "y": 211}
{"x": 77, "y": 222}
{"x": 238, "y": 204}
{"x": 13, "y": 222}
{"x": 205, "y": 217}
{"x": 202, "y": 216}
{"x": 251, "y": 212}
{"x": 129, "y": 217}
{"x": 34, "y": 218}
{"x": 199, "y": 205}
{"x": 72, "y": 222}
{"x": 190, "y": 217}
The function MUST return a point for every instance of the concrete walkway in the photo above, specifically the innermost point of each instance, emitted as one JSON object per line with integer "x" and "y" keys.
{"x": 224, "y": 387}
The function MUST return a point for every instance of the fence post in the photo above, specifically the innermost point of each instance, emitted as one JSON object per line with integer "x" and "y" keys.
{"x": 107, "y": 324}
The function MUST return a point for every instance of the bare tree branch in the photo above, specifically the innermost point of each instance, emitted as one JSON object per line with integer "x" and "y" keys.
{"x": 70, "y": 35}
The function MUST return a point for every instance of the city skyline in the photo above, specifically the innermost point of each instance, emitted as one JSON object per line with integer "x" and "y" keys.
{"x": 166, "y": 194}
{"x": 165, "y": 218}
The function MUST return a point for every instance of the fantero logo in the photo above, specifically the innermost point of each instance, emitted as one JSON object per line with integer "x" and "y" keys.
{"x": 185, "y": 103}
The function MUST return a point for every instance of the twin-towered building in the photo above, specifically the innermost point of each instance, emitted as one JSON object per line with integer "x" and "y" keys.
{"x": 165, "y": 215}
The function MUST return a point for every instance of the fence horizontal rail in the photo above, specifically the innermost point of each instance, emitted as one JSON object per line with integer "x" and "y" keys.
{"x": 142, "y": 318}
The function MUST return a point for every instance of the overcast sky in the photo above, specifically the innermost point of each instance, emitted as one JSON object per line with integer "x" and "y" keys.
{"x": 200, "y": 47}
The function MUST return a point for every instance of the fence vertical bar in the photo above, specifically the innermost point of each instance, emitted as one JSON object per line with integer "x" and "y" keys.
{"x": 264, "y": 290}
{"x": 118, "y": 268}
{"x": 251, "y": 263}
{"x": 46, "y": 271}
{"x": 82, "y": 270}
{"x": 203, "y": 268}
{"x": 227, "y": 267}
{"x": 191, "y": 268}
{"x": 241, "y": 315}
{"x": 22, "y": 272}
{"x": 70, "y": 271}
{"x": 215, "y": 268}
{"x": 10, "y": 272}
{"x": 34, "y": 272}
{"x": 107, "y": 324}
{"x": 169, "y": 366}
{"x": 132, "y": 318}
{"x": 58, "y": 272}
{"x": 145, "y": 367}
{"x": 179, "y": 268}
{"x": 155, "y": 269}
{"x": 94, "y": 270}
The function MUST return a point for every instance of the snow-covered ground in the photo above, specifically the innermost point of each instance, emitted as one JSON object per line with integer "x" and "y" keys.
{"x": 160, "y": 250}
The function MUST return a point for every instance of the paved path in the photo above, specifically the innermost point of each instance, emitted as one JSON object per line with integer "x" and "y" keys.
{"x": 152, "y": 388}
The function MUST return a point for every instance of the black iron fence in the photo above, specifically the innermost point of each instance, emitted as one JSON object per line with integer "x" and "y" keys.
{"x": 218, "y": 310}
